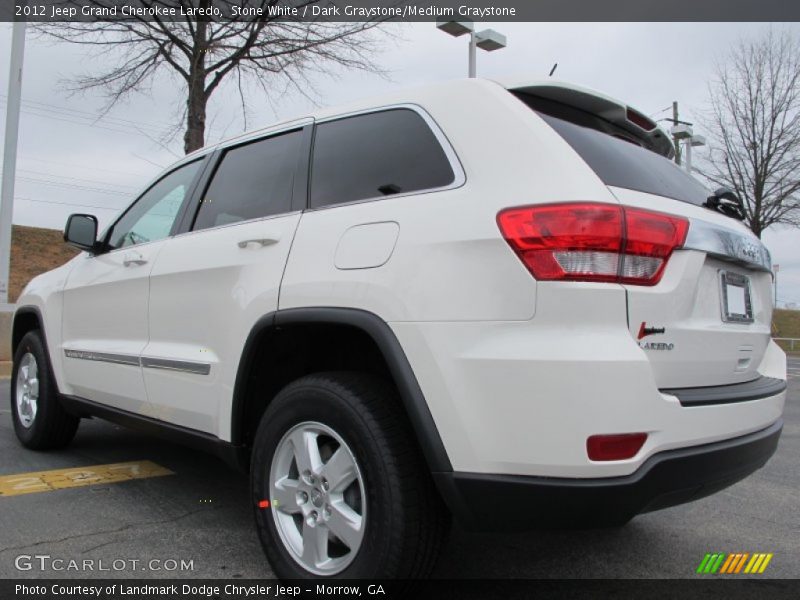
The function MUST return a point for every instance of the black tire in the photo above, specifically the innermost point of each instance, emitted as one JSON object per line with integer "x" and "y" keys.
{"x": 407, "y": 521}
{"x": 52, "y": 427}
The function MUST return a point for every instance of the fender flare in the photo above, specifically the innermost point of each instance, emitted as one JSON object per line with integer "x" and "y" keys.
{"x": 376, "y": 328}
{"x": 26, "y": 310}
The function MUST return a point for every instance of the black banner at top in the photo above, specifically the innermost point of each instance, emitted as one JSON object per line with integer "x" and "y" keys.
{"x": 403, "y": 10}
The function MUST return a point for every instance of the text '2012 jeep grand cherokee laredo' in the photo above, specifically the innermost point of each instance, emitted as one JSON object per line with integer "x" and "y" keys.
{"x": 500, "y": 302}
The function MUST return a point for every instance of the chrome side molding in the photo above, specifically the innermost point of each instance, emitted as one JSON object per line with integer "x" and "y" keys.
{"x": 185, "y": 366}
{"x": 176, "y": 365}
{"x": 120, "y": 359}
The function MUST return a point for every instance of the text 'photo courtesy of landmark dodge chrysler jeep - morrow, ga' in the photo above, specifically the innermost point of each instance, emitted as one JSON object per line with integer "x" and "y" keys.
{"x": 496, "y": 302}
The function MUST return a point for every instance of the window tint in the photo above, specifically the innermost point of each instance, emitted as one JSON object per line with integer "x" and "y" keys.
{"x": 377, "y": 154}
{"x": 152, "y": 216}
{"x": 252, "y": 181}
{"x": 622, "y": 164}
{"x": 615, "y": 155}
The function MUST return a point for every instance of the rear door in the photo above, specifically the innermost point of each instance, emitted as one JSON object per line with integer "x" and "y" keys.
{"x": 211, "y": 283}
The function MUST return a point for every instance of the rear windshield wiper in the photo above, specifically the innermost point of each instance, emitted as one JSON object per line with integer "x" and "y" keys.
{"x": 726, "y": 202}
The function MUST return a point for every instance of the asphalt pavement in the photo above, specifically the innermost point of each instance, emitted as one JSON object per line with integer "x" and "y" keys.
{"x": 200, "y": 515}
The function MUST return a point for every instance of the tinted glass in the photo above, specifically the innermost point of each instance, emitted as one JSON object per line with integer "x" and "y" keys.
{"x": 252, "y": 181}
{"x": 154, "y": 213}
{"x": 377, "y": 154}
{"x": 624, "y": 164}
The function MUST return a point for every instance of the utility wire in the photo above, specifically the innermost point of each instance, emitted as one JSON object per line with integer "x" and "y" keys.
{"x": 73, "y": 186}
{"x": 68, "y": 204}
{"x": 79, "y": 179}
{"x": 157, "y": 128}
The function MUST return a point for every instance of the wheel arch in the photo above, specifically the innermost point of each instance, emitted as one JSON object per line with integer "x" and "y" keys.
{"x": 362, "y": 323}
{"x": 26, "y": 318}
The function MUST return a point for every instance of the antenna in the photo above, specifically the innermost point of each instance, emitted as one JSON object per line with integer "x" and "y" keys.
{"x": 553, "y": 70}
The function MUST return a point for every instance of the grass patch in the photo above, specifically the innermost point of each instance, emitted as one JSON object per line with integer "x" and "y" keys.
{"x": 786, "y": 324}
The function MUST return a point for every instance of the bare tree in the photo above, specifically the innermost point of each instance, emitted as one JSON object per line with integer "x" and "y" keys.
{"x": 203, "y": 53}
{"x": 754, "y": 129}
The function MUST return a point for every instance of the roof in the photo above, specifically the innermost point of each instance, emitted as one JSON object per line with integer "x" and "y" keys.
{"x": 582, "y": 98}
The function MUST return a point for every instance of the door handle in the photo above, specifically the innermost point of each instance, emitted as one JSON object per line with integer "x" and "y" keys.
{"x": 261, "y": 242}
{"x": 133, "y": 259}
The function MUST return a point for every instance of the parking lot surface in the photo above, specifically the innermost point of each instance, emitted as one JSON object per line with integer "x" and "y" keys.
{"x": 186, "y": 506}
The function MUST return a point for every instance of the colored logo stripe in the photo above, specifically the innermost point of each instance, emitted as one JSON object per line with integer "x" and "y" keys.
{"x": 722, "y": 563}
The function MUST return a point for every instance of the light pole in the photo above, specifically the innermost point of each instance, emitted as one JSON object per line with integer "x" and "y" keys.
{"x": 488, "y": 39}
{"x": 10, "y": 154}
{"x": 682, "y": 133}
{"x": 693, "y": 142}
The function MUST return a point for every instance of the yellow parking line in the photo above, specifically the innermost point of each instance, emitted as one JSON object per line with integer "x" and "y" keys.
{"x": 48, "y": 481}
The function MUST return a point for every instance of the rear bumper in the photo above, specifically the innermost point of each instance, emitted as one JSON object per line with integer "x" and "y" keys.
{"x": 490, "y": 502}
{"x": 763, "y": 387}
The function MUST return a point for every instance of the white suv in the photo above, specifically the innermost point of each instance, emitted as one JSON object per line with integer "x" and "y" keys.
{"x": 497, "y": 301}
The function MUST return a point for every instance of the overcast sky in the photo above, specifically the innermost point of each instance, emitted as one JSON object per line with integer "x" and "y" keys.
{"x": 69, "y": 162}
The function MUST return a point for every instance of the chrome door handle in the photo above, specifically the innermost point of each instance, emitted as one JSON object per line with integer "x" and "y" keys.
{"x": 258, "y": 242}
{"x": 133, "y": 259}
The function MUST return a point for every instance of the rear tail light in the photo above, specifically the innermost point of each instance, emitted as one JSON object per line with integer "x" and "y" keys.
{"x": 614, "y": 447}
{"x": 592, "y": 241}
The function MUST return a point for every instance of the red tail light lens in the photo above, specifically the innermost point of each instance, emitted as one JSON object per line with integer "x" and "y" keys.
{"x": 614, "y": 447}
{"x": 593, "y": 241}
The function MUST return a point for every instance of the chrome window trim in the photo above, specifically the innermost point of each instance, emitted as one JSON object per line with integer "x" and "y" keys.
{"x": 184, "y": 366}
{"x": 459, "y": 175}
{"x": 237, "y": 223}
{"x": 728, "y": 244}
{"x": 264, "y": 133}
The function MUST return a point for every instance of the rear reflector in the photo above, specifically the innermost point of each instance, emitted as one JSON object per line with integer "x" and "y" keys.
{"x": 614, "y": 447}
{"x": 592, "y": 241}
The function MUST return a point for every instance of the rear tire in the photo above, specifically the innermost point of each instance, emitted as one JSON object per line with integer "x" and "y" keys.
{"x": 397, "y": 520}
{"x": 40, "y": 422}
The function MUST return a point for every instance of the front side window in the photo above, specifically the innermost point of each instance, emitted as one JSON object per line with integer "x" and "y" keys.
{"x": 376, "y": 154}
{"x": 154, "y": 213}
{"x": 251, "y": 182}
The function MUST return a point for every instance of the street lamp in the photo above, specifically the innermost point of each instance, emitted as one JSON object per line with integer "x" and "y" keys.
{"x": 693, "y": 142}
{"x": 682, "y": 133}
{"x": 488, "y": 39}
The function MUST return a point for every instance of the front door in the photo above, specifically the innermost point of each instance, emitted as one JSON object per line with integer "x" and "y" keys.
{"x": 105, "y": 324}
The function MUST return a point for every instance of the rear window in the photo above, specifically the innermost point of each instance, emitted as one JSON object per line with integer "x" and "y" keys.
{"x": 374, "y": 155}
{"x": 620, "y": 161}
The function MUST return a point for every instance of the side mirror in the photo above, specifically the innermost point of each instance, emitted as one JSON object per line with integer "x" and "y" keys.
{"x": 81, "y": 232}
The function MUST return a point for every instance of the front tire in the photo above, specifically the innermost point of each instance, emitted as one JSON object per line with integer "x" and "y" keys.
{"x": 348, "y": 492}
{"x": 40, "y": 422}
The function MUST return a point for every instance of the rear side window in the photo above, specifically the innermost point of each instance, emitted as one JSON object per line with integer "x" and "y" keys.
{"x": 376, "y": 154}
{"x": 251, "y": 181}
{"x": 616, "y": 159}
